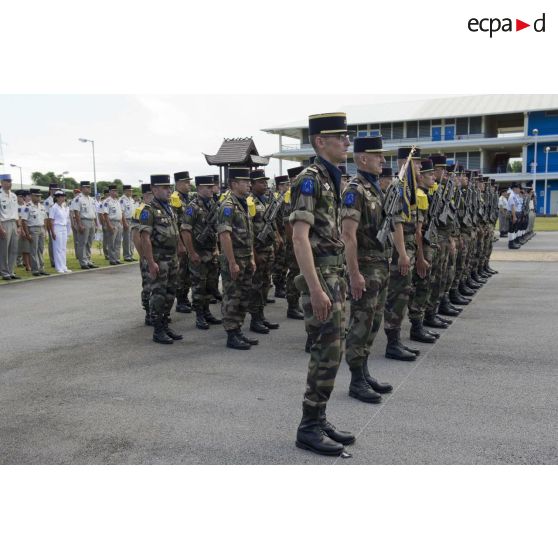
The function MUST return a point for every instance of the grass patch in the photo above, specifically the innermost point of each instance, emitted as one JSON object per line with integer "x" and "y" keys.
{"x": 543, "y": 224}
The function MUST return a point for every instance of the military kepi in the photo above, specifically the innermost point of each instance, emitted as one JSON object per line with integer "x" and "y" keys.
{"x": 387, "y": 172}
{"x": 294, "y": 172}
{"x": 439, "y": 160}
{"x": 145, "y": 187}
{"x": 183, "y": 175}
{"x": 426, "y": 165}
{"x": 371, "y": 144}
{"x": 239, "y": 173}
{"x": 403, "y": 153}
{"x": 204, "y": 180}
{"x": 328, "y": 123}
{"x": 258, "y": 174}
{"x": 160, "y": 180}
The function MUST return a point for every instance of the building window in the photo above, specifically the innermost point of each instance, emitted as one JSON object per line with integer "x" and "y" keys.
{"x": 437, "y": 122}
{"x": 412, "y": 129}
{"x": 461, "y": 158}
{"x": 462, "y": 127}
{"x": 362, "y": 130}
{"x": 449, "y": 121}
{"x": 305, "y": 138}
{"x": 424, "y": 129}
{"x": 353, "y": 131}
{"x": 475, "y": 125}
{"x": 398, "y": 130}
{"x": 385, "y": 130}
{"x": 551, "y": 113}
{"x": 474, "y": 161}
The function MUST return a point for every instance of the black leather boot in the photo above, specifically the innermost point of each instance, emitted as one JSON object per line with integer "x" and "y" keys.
{"x": 256, "y": 324}
{"x": 457, "y": 298}
{"x": 267, "y": 323}
{"x": 341, "y": 436}
{"x": 472, "y": 284}
{"x": 475, "y": 277}
{"x": 412, "y": 350}
{"x": 360, "y": 389}
{"x": 183, "y": 306}
{"x": 490, "y": 270}
{"x": 444, "y": 308}
{"x": 464, "y": 290}
{"x": 294, "y": 312}
{"x": 378, "y": 387}
{"x": 418, "y": 333}
{"x": 458, "y": 309}
{"x": 172, "y": 334}
{"x": 201, "y": 322}
{"x": 445, "y": 320}
{"x": 394, "y": 348}
{"x": 234, "y": 341}
{"x": 159, "y": 333}
{"x": 433, "y": 333}
{"x": 431, "y": 320}
{"x": 210, "y": 318}
{"x": 512, "y": 245}
{"x": 311, "y": 437}
{"x": 249, "y": 340}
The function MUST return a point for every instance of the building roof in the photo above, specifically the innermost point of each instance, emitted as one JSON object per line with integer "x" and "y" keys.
{"x": 237, "y": 151}
{"x": 424, "y": 109}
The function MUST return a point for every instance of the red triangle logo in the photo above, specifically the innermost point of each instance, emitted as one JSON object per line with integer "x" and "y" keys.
{"x": 519, "y": 25}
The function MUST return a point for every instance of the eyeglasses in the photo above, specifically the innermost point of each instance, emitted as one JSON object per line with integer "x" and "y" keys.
{"x": 339, "y": 137}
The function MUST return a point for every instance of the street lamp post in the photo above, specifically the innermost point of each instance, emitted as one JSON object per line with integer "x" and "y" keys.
{"x": 20, "y": 175}
{"x": 547, "y": 151}
{"x": 536, "y": 134}
{"x": 92, "y": 142}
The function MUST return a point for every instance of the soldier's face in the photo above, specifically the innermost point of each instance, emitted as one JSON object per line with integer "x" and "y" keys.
{"x": 374, "y": 162}
{"x": 6, "y": 185}
{"x": 148, "y": 197}
{"x": 416, "y": 165}
{"x": 241, "y": 187}
{"x": 428, "y": 179}
{"x": 205, "y": 192}
{"x": 183, "y": 186}
{"x": 465, "y": 181}
{"x": 162, "y": 193}
{"x": 259, "y": 187}
{"x": 385, "y": 182}
{"x": 334, "y": 147}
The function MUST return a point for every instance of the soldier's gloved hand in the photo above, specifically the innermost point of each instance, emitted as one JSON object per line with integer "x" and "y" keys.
{"x": 358, "y": 286}
{"x": 234, "y": 270}
{"x": 153, "y": 270}
{"x": 321, "y": 305}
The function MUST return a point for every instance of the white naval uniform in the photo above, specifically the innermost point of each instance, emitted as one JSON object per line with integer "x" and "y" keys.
{"x": 60, "y": 216}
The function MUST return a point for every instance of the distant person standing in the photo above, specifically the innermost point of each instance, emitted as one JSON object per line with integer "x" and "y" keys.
{"x": 48, "y": 203}
{"x": 128, "y": 206}
{"x": 10, "y": 228}
{"x": 36, "y": 226}
{"x": 503, "y": 216}
{"x": 514, "y": 207}
{"x": 84, "y": 214}
{"x": 112, "y": 214}
{"x": 60, "y": 227}
{"x": 24, "y": 200}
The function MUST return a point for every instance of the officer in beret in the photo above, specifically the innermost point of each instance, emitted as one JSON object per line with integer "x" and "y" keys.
{"x": 10, "y": 228}
{"x": 127, "y": 206}
{"x": 236, "y": 237}
{"x": 403, "y": 257}
{"x": 279, "y": 269}
{"x": 263, "y": 252}
{"x": 147, "y": 198}
{"x": 200, "y": 239}
{"x": 36, "y": 225}
{"x": 159, "y": 231}
{"x": 180, "y": 200}
{"x": 112, "y": 215}
{"x": 84, "y": 212}
{"x": 316, "y": 201}
{"x": 367, "y": 265}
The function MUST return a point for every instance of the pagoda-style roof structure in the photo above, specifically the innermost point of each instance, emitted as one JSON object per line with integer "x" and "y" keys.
{"x": 237, "y": 151}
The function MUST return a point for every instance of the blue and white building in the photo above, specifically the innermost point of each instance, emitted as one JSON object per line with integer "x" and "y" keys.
{"x": 497, "y": 134}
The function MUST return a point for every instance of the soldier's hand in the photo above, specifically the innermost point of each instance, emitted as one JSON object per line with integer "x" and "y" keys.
{"x": 234, "y": 270}
{"x": 181, "y": 251}
{"x": 422, "y": 267}
{"x": 53, "y": 235}
{"x": 2, "y": 233}
{"x": 254, "y": 266}
{"x": 81, "y": 229}
{"x": 358, "y": 286}
{"x": 404, "y": 264}
{"x": 195, "y": 258}
{"x": 153, "y": 270}
{"x": 321, "y": 305}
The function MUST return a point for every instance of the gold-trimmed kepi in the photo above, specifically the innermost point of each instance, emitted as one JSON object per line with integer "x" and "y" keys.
{"x": 160, "y": 180}
{"x": 239, "y": 173}
{"x": 258, "y": 174}
{"x": 327, "y": 123}
{"x": 369, "y": 144}
{"x": 403, "y": 153}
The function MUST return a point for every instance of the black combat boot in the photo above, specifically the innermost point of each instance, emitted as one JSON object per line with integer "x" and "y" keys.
{"x": 472, "y": 284}
{"x": 431, "y": 320}
{"x": 201, "y": 322}
{"x": 444, "y": 308}
{"x": 445, "y": 320}
{"x": 256, "y": 324}
{"x": 457, "y": 298}
{"x": 235, "y": 341}
{"x": 294, "y": 312}
{"x": 183, "y": 305}
{"x": 418, "y": 333}
{"x": 172, "y": 334}
{"x": 249, "y": 340}
{"x": 360, "y": 389}
{"x": 341, "y": 436}
{"x": 489, "y": 269}
{"x": 159, "y": 333}
{"x": 458, "y": 309}
{"x": 148, "y": 321}
{"x": 210, "y": 318}
{"x": 433, "y": 333}
{"x": 267, "y": 323}
{"x": 378, "y": 387}
{"x": 311, "y": 437}
{"x": 464, "y": 290}
{"x": 512, "y": 245}
{"x": 475, "y": 277}
{"x": 394, "y": 348}
{"x": 280, "y": 291}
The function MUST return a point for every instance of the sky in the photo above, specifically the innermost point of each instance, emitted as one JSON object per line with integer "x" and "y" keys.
{"x": 139, "y": 135}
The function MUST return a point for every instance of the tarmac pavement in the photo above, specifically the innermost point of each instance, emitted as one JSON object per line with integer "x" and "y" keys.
{"x": 82, "y": 382}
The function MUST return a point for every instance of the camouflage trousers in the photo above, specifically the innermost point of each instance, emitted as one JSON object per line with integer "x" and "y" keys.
{"x": 462, "y": 258}
{"x": 183, "y": 279}
{"x": 399, "y": 288}
{"x": 261, "y": 281}
{"x": 438, "y": 273}
{"x": 421, "y": 286}
{"x": 213, "y": 276}
{"x": 476, "y": 249}
{"x": 367, "y": 312}
{"x": 200, "y": 275}
{"x": 145, "y": 283}
{"x": 279, "y": 270}
{"x": 328, "y": 337}
{"x": 236, "y": 293}
{"x": 163, "y": 288}
{"x": 293, "y": 294}
{"x": 452, "y": 260}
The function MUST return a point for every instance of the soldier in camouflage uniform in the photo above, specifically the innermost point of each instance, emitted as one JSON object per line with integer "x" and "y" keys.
{"x": 234, "y": 227}
{"x": 315, "y": 198}
{"x": 180, "y": 200}
{"x": 159, "y": 231}
{"x": 279, "y": 271}
{"x": 214, "y": 270}
{"x": 367, "y": 264}
{"x": 425, "y": 257}
{"x": 258, "y": 202}
{"x": 147, "y": 197}
{"x": 403, "y": 257}
{"x": 200, "y": 239}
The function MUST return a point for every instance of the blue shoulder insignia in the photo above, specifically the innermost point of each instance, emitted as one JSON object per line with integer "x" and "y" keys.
{"x": 227, "y": 212}
{"x": 349, "y": 199}
{"x": 307, "y": 187}
{"x": 190, "y": 211}
{"x": 144, "y": 216}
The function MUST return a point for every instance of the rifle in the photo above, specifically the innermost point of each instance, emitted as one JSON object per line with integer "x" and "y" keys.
{"x": 203, "y": 237}
{"x": 433, "y": 213}
{"x": 448, "y": 209}
{"x": 390, "y": 201}
{"x": 269, "y": 218}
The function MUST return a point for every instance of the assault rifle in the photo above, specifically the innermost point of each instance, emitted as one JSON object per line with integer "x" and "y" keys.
{"x": 203, "y": 237}
{"x": 448, "y": 209}
{"x": 269, "y": 217}
{"x": 433, "y": 213}
{"x": 390, "y": 201}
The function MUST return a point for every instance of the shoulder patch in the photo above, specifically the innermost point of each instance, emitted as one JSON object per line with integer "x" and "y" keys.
{"x": 144, "y": 216}
{"x": 307, "y": 187}
{"x": 227, "y": 211}
{"x": 349, "y": 199}
{"x": 190, "y": 211}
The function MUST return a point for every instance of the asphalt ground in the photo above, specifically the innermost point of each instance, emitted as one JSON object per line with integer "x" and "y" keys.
{"x": 81, "y": 382}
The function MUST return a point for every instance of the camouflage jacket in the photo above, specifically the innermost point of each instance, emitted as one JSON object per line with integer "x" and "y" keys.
{"x": 195, "y": 218}
{"x": 161, "y": 224}
{"x": 363, "y": 202}
{"x": 234, "y": 218}
{"x": 258, "y": 223}
{"x": 314, "y": 201}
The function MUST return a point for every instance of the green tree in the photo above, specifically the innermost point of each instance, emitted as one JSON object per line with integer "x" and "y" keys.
{"x": 515, "y": 166}
{"x": 50, "y": 177}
